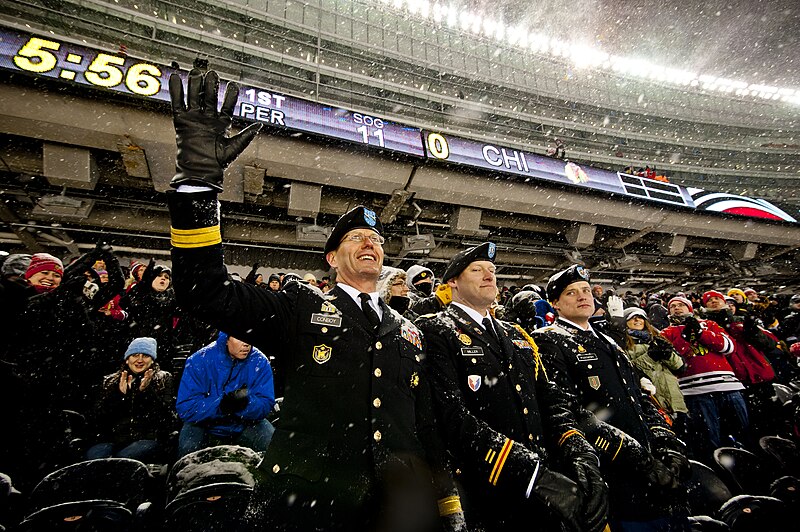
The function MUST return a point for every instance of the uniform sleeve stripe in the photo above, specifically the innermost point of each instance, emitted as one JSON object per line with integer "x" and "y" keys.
{"x": 501, "y": 460}
{"x": 489, "y": 456}
{"x": 449, "y": 505}
{"x": 195, "y": 238}
{"x": 568, "y": 434}
{"x": 621, "y": 439}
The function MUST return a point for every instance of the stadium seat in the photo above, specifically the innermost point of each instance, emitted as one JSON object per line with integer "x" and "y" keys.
{"x": 755, "y": 513}
{"x": 209, "y": 490}
{"x": 786, "y": 489}
{"x": 743, "y": 471}
{"x": 704, "y": 523}
{"x": 707, "y": 492}
{"x": 109, "y": 494}
{"x": 784, "y": 452}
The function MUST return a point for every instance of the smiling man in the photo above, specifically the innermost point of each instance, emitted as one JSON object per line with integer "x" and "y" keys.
{"x": 356, "y": 435}
{"x": 641, "y": 457}
{"x": 505, "y": 423}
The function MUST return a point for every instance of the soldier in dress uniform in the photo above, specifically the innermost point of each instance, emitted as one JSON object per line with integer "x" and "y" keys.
{"x": 356, "y": 446}
{"x": 642, "y": 459}
{"x": 504, "y": 422}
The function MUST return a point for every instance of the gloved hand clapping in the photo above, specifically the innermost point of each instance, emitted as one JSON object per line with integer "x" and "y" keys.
{"x": 659, "y": 349}
{"x": 204, "y": 149}
{"x": 234, "y": 401}
{"x": 691, "y": 329}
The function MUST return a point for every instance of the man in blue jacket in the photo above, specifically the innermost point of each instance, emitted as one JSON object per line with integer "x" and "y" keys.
{"x": 225, "y": 395}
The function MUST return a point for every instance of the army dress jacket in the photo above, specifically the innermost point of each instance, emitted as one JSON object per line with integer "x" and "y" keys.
{"x": 356, "y": 401}
{"x": 499, "y": 413}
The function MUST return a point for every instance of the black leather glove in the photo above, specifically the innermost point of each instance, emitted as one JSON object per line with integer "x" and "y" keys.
{"x": 691, "y": 329}
{"x": 204, "y": 149}
{"x": 677, "y": 463}
{"x": 658, "y": 475}
{"x": 659, "y": 349}
{"x": 561, "y": 495}
{"x": 234, "y": 401}
{"x": 149, "y": 274}
{"x": 585, "y": 470}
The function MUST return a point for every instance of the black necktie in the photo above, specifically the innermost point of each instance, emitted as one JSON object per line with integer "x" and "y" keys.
{"x": 372, "y": 316}
{"x": 487, "y": 324}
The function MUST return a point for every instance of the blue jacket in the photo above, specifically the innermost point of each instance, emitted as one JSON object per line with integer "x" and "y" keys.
{"x": 210, "y": 373}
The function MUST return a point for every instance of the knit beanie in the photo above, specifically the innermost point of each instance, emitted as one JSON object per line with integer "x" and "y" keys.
{"x": 632, "y": 312}
{"x": 16, "y": 264}
{"x": 136, "y": 267}
{"x": 712, "y": 293}
{"x": 41, "y": 262}
{"x": 683, "y": 300}
{"x": 733, "y": 291}
{"x": 144, "y": 345}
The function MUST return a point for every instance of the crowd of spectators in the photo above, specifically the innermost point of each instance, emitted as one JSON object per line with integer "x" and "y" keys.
{"x": 102, "y": 362}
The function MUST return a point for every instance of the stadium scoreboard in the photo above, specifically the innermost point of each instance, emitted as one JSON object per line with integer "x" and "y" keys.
{"x": 86, "y": 67}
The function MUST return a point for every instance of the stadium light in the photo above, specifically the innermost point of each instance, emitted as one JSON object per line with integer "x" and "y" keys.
{"x": 583, "y": 56}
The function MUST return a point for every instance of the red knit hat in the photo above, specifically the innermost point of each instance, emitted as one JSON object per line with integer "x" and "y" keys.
{"x": 712, "y": 293}
{"x": 683, "y": 300}
{"x": 41, "y": 262}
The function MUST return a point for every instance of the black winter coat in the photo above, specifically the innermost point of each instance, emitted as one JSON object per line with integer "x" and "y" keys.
{"x": 357, "y": 412}
{"x": 490, "y": 395}
{"x": 147, "y": 414}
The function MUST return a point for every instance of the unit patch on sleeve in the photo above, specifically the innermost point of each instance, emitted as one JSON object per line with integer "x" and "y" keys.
{"x": 474, "y": 382}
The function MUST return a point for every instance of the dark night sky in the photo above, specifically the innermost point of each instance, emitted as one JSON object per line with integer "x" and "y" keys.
{"x": 757, "y": 41}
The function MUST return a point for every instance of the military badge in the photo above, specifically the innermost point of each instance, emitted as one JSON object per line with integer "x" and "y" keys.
{"x": 582, "y": 272}
{"x": 412, "y": 335}
{"x": 474, "y": 382}
{"x": 594, "y": 382}
{"x": 581, "y": 349}
{"x": 522, "y": 344}
{"x": 321, "y": 353}
{"x": 492, "y": 250}
{"x": 464, "y": 339}
{"x": 327, "y": 307}
{"x": 370, "y": 217}
{"x": 414, "y": 380}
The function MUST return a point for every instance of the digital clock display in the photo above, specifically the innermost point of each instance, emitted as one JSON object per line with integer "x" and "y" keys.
{"x": 87, "y": 67}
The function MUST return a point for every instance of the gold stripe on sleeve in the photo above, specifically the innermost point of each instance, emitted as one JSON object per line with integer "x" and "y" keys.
{"x": 196, "y": 238}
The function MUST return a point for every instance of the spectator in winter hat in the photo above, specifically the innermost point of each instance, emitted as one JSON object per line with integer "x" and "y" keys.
{"x": 712, "y": 391}
{"x": 15, "y": 265}
{"x": 751, "y": 294}
{"x": 738, "y": 295}
{"x": 274, "y": 282}
{"x": 420, "y": 280}
{"x": 135, "y": 408}
{"x": 44, "y": 272}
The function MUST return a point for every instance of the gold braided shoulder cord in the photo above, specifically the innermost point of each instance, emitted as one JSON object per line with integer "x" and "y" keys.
{"x": 535, "y": 348}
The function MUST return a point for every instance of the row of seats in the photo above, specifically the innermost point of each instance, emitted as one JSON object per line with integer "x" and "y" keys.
{"x": 209, "y": 490}
{"x": 746, "y": 492}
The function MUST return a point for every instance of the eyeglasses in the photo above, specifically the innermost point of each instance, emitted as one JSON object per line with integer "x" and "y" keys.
{"x": 358, "y": 238}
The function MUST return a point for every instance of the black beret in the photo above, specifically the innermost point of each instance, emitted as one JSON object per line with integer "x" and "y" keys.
{"x": 462, "y": 259}
{"x": 559, "y": 281}
{"x": 358, "y": 218}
